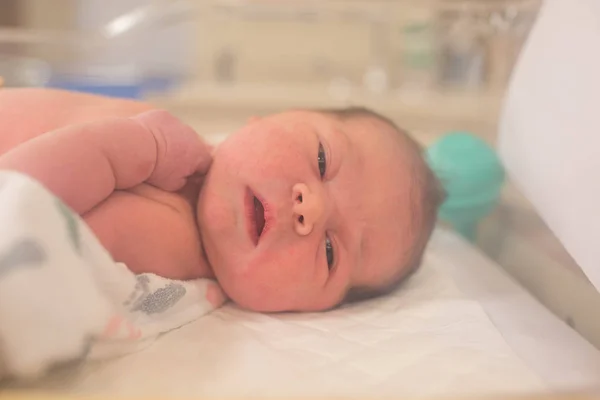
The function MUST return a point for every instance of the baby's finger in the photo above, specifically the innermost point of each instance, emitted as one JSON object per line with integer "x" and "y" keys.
{"x": 215, "y": 295}
{"x": 203, "y": 159}
{"x": 161, "y": 123}
{"x": 196, "y": 177}
{"x": 173, "y": 184}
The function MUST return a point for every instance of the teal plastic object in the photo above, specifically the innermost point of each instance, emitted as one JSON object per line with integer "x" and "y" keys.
{"x": 472, "y": 175}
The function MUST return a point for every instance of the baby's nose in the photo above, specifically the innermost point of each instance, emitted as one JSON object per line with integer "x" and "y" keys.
{"x": 308, "y": 208}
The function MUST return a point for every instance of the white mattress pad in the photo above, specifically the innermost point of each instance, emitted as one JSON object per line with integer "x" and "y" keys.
{"x": 431, "y": 337}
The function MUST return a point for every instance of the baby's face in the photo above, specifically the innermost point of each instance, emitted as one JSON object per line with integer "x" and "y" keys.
{"x": 299, "y": 207}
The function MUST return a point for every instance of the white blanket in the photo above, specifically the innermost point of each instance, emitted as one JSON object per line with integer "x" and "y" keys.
{"x": 63, "y": 299}
{"x": 427, "y": 339}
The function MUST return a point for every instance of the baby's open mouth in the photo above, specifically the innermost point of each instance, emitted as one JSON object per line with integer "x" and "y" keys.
{"x": 256, "y": 220}
{"x": 259, "y": 216}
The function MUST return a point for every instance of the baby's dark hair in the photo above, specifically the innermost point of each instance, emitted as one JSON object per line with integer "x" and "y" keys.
{"x": 430, "y": 196}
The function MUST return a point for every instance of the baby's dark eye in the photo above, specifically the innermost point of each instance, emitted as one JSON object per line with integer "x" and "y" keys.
{"x": 329, "y": 253}
{"x": 322, "y": 160}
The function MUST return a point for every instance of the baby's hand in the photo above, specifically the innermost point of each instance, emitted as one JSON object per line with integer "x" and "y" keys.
{"x": 181, "y": 152}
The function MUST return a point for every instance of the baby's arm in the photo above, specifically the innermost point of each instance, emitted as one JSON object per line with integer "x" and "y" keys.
{"x": 26, "y": 113}
{"x": 83, "y": 164}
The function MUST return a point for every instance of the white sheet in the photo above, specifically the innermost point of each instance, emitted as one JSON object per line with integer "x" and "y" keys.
{"x": 549, "y": 130}
{"x": 558, "y": 354}
{"x": 459, "y": 327}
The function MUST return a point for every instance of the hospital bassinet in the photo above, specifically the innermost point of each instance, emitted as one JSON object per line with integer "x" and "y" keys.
{"x": 468, "y": 323}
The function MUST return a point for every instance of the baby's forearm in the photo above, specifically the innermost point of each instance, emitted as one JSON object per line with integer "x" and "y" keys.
{"x": 83, "y": 164}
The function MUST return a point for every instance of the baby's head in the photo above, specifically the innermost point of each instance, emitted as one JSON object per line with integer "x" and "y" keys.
{"x": 304, "y": 210}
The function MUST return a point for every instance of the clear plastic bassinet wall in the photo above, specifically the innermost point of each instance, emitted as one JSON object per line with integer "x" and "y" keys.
{"x": 398, "y": 56}
{"x": 432, "y": 66}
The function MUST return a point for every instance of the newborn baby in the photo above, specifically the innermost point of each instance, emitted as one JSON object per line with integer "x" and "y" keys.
{"x": 298, "y": 211}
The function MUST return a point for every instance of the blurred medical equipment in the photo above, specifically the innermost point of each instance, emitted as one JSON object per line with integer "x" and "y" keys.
{"x": 472, "y": 176}
{"x": 378, "y": 46}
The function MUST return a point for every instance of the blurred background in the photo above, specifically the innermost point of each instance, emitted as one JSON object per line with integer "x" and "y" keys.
{"x": 432, "y": 66}
{"x": 402, "y": 57}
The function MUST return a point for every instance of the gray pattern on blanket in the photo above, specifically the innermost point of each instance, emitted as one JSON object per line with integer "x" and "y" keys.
{"x": 72, "y": 225}
{"x": 162, "y": 299}
{"x": 25, "y": 253}
{"x": 141, "y": 299}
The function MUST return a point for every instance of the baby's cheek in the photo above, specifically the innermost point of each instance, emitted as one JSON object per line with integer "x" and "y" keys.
{"x": 268, "y": 267}
{"x": 276, "y": 280}
{"x": 263, "y": 285}
{"x": 266, "y": 149}
{"x": 287, "y": 265}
